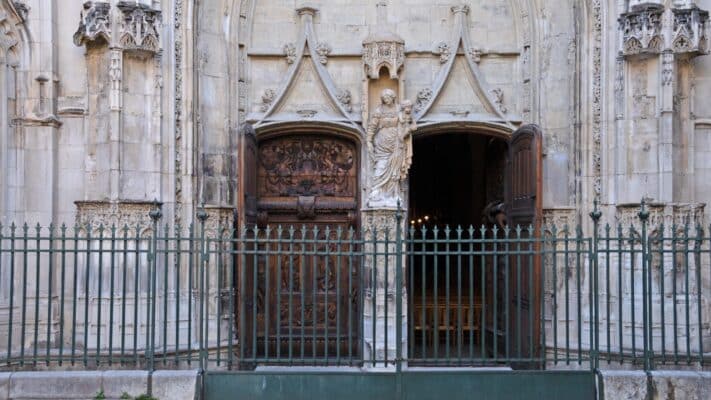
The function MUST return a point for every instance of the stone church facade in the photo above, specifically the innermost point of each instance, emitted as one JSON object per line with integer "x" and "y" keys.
{"x": 348, "y": 112}
{"x": 108, "y": 106}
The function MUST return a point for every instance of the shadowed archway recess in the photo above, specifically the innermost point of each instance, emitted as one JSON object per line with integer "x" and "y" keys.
{"x": 454, "y": 175}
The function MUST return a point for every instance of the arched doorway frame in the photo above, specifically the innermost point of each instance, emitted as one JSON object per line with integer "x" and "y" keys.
{"x": 483, "y": 128}
{"x": 320, "y": 128}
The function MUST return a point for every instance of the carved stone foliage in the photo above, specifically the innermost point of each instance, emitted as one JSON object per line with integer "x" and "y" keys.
{"x": 178, "y": 112}
{"x": 140, "y": 28}
{"x": 475, "y": 55}
{"x": 424, "y": 96}
{"x": 94, "y": 23}
{"x": 444, "y": 52}
{"x": 307, "y": 166}
{"x": 290, "y": 53}
{"x": 267, "y": 99}
{"x": 675, "y": 214}
{"x": 219, "y": 223}
{"x": 344, "y": 97}
{"x": 323, "y": 50}
{"x": 597, "y": 99}
{"x": 498, "y": 94}
{"x": 118, "y": 214}
{"x": 558, "y": 219}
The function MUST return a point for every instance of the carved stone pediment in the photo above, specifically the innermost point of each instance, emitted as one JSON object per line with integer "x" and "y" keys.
{"x": 94, "y": 23}
{"x": 140, "y": 27}
{"x": 642, "y": 30}
{"x": 483, "y": 102}
{"x": 297, "y": 97}
{"x": 650, "y": 29}
{"x": 690, "y": 31}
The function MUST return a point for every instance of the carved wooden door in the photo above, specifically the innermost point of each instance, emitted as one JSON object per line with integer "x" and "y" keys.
{"x": 524, "y": 209}
{"x": 306, "y": 287}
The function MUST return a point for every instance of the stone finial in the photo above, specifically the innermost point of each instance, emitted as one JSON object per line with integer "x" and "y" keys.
{"x": 140, "y": 27}
{"x": 94, "y": 23}
{"x": 383, "y": 48}
{"x": 382, "y": 13}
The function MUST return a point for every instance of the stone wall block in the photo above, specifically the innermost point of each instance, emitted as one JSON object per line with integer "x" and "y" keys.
{"x": 54, "y": 385}
{"x": 5, "y": 385}
{"x": 175, "y": 385}
{"x": 627, "y": 385}
{"x": 116, "y": 383}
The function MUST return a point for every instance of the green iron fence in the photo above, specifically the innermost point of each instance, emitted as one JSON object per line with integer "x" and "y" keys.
{"x": 212, "y": 297}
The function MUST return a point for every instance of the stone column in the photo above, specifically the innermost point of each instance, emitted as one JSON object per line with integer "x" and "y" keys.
{"x": 382, "y": 315}
{"x": 667, "y": 87}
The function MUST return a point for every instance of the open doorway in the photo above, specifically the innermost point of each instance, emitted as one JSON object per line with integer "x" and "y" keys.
{"x": 454, "y": 177}
{"x": 475, "y": 291}
{"x": 456, "y": 181}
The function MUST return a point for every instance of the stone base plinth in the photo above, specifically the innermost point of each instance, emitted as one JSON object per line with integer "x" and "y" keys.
{"x": 381, "y": 317}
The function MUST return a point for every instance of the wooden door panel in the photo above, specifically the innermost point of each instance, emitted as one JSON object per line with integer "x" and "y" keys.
{"x": 306, "y": 293}
{"x": 524, "y": 211}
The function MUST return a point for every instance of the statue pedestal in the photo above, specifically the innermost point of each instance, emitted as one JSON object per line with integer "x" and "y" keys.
{"x": 381, "y": 317}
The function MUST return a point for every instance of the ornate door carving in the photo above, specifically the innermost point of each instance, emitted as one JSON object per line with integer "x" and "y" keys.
{"x": 306, "y": 293}
{"x": 524, "y": 208}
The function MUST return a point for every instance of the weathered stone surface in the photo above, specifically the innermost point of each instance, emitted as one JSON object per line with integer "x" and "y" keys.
{"x": 55, "y": 385}
{"x": 637, "y": 385}
{"x": 630, "y": 385}
{"x": 5, "y": 385}
{"x": 177, "y": 385}
{"x": 116, "y": 383}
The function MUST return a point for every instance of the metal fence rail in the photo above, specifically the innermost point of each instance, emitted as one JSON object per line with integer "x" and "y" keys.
{"x": 214, "y": 297}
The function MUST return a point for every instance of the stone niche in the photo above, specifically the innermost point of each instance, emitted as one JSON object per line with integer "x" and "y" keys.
{"x": 124, "y": 66}
{"x": 383, "y": 61}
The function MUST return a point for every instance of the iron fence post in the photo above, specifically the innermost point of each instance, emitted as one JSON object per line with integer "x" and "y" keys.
{"x": 155, "y": 215}
{"x": 398, "y": 302}
{"x": 596, "y": 214}
{"x": 202, "y": 266}
{"x": 398, "y": 288}
{"x": 646, "y": 288}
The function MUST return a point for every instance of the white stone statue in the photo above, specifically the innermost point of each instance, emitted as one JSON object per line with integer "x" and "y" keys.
{"x": 390, "y": 147}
